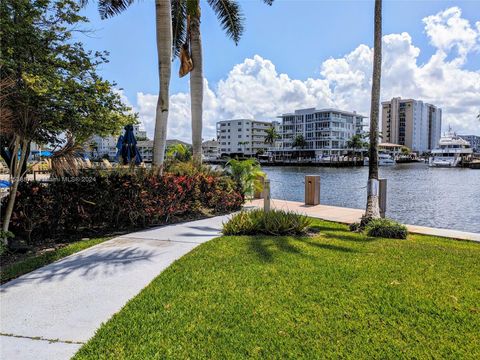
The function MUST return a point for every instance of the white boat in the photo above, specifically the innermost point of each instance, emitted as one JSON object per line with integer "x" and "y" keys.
{"x": 384, "y": 159}
{"x": 451, "y": 150}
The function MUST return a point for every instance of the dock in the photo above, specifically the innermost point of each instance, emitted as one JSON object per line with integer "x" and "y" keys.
{"x": 350, "y": 216}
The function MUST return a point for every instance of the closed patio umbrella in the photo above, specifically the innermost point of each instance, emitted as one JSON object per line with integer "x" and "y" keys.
{"x": 129, "y": 151}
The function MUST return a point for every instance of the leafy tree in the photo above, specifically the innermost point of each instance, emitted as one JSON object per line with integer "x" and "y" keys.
{"x": 188, "y": 45}
{"x": 247, "y": 174}
{"x": 373, "y": 207}
{"x": 52, "y": 93}
{"x": 163, "y": 25}
{"x": 299, "y": 142}
{"x": 272, "y": 136}
{"x": 356, "y": 142}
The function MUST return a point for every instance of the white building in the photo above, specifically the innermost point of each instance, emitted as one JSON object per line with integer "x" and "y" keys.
{"x": 412, "y": 123}
{"x": 326, "y": 131}
{"x": 210, "y": 149}
{"x": 243, "y": 136}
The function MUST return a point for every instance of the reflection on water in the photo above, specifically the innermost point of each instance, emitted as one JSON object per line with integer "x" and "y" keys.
{"x": 417, "y": 194}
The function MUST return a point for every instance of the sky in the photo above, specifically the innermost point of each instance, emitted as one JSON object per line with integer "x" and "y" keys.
{"x": 297, "y": 54}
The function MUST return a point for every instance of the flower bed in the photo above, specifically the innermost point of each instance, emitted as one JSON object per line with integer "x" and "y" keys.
{"x": 118, "y": 201}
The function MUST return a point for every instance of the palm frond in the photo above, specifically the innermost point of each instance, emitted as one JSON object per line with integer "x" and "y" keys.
{"x": 268, "y": 2}
{"x": 65, "y": 160}
{"x": 230, "y": 16}
{"x": 179, "y": 25}
{"x": 109, "y": 8}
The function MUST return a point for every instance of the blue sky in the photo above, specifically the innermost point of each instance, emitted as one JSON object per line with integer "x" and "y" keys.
{"x": 296, "y": 36}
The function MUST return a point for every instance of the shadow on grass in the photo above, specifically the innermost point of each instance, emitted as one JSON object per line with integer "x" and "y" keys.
{"x": 265, "y": 246}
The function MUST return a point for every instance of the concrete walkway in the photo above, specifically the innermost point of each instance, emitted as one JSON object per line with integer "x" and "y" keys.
{"x": 349, "y": 216}
{"x": 50, "y": 312}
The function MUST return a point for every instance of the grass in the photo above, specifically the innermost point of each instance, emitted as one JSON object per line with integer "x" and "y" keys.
{"x": 333, "y": 295}
{"x": 36, "y": 261}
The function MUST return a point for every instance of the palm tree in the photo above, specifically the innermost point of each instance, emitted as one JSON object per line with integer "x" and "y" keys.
{"x": 299, "y": 142}
{"x": 355, "y": 143}
{"x": 163, "y": 22}
{"x": 373, "y": 207}
{"x": 271, "y": 136}
{"x": 247, "y": 174}
{"x": 187, "y": 44}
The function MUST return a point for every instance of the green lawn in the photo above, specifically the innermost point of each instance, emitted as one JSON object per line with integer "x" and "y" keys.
{"x": 335, "y": 295}
{"x": 36, "y": 261}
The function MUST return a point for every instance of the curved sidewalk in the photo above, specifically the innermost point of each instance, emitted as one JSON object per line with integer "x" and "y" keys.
{"x": 50, "y": 312}
{"x": 349, "y": 216}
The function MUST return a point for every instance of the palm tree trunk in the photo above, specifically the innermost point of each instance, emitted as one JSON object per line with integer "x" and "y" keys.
{"x": 373, "y": 208}
{"x": 196, "y": 88}
{"x": 16, "y": 176}
{"x": 163, "y": 17}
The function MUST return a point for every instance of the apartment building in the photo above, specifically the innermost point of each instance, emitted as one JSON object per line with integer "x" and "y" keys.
{"x": 243, "y": 136}
{"x": 326, "y": 131}
{"x": 474, "y": 141}
{"x": 210, "y": 149}
{"x": 411, "y": 123}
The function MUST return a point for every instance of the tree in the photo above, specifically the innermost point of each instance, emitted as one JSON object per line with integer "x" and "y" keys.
{"x": 299, "y": 142}
{"x": 355, "y": 142}
{"x": 247, "y": 174}
{"x": 52, "y": 94}
{"x": 179, "y": 152}
{"x": 187, "y": 42}
{"x": 163, "y": 24}
{"x": 373, "y": 207}
{"x": 272, "y": 136}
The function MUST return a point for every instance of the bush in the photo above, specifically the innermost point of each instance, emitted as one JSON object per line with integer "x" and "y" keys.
{"x": 386, "y": 228}
{"x": 97, "y": 202}
{"x": 274, "y": 222}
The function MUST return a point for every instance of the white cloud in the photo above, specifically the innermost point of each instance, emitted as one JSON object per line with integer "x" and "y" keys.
{"x": 255, "y": 89}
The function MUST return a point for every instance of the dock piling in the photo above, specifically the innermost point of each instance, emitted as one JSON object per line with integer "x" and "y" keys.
{"x": 312, "y": 189}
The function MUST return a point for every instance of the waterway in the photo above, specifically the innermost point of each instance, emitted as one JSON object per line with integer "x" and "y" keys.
{"x": 416, "y": 193}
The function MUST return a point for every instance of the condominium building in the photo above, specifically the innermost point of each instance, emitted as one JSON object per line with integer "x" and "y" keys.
{"x": 243, "y": 136}
{"x": 210, "y": 149}
{"x": 411, "y": 123}
{"x": 326, "y": 131}
{"x": 474, "y": 141}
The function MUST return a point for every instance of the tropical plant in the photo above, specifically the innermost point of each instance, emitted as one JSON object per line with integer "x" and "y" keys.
{"x": 163, "y": 25}
{"x": 373, "y": 206}
{"x": 299, "y": 142}
{"x": 243, "y": 143}
{"x": 405, "y": 150}
{"x": 51, "y": 91}
{"x": 273, "y": 222}
{"x": 356, "y": 142}
{"x": 188, "y": 46}
{"x": 272, "y": 136}
{"x": 386, "y": 228}
{"x": 179, "y": 152}
{"x": 247, "y": 174}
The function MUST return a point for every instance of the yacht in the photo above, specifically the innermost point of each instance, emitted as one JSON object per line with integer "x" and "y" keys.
{"x": 451, "y": 151}
{"x": 384, "y": 159}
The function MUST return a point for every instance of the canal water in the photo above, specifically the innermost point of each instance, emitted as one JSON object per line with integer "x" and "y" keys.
{"x": 417, "y": 194}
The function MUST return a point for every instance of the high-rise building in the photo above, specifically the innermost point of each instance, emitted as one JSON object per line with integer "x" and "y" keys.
{"x": 326, "y": 131}
{"x": 243, "y": 136}
{"x": 412, "y": 123}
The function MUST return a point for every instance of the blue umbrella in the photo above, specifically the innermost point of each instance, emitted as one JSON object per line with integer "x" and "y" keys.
{"x": 5, "y": 184}
{"x": 129, "y": 150}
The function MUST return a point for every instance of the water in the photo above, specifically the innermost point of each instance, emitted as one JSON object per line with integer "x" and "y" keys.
{"x": 416, "y": 193}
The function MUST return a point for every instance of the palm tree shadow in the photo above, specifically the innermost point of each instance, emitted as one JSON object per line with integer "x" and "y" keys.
{"x": 89, "y": 265}
{"x": 265, "y": 246}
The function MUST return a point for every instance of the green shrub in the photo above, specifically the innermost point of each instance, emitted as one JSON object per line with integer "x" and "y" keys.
{"x": 274, "y": 222}
{"x": 386, "y": 228}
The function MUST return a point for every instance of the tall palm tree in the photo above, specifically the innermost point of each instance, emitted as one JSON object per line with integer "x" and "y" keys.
{"x": 373, "y": 207}
{"x": 163, "y": 22}
{"x": 187, "y": 43}
{"x": 271, "y": 136}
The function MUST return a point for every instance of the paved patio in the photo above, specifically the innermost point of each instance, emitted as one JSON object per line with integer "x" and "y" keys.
{"x": 50, "y": 312}
{"x": 349, "y": 216}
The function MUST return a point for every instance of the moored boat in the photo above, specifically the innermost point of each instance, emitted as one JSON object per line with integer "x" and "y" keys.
{"x": 451, "y": 152}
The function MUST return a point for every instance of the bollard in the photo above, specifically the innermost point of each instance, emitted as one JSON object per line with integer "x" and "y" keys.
{"x": 266, "y": 195}
{"x": 312, "y": 189}
{"x": 382, "y": 196}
